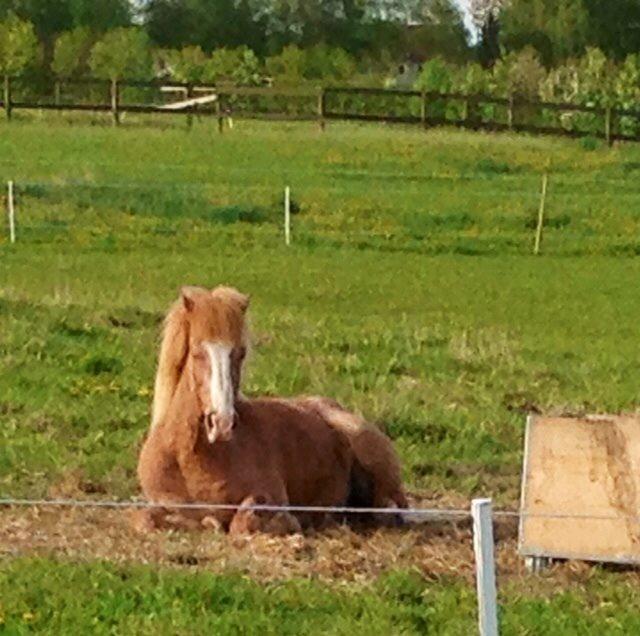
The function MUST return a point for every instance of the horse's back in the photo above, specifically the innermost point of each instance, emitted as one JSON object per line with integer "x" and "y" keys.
{"x": 314, "y": 457}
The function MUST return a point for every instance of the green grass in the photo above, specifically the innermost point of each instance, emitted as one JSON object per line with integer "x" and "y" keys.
{"x": 58, "y": 597}
{"x": 448, "y": 351}
{"x": 409, "y": 293}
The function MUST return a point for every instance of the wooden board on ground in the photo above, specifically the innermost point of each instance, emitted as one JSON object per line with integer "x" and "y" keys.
{"x": 587, "y": 472}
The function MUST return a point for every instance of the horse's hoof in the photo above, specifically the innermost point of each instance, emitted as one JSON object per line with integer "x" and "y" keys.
{"x": 212, "y": 523}
{"x": 143, "y": 522}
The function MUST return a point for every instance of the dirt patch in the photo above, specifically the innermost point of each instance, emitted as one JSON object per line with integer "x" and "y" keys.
{"x": 436, "y": 549}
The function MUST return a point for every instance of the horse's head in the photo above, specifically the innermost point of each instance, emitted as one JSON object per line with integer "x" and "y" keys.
{"x": 216, "y": 350}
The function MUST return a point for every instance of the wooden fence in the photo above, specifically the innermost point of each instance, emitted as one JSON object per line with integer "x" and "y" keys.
{"x": 423, "y": 108}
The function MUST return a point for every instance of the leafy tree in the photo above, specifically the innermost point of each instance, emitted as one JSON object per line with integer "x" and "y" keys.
{"x": 485, "y": 15}
{"x": 436, "y": 76}
{"x": 614, "y": 26}
{"x": 18, "y": 45}
{"x": 441, "y": 33}
{"x": 239, "y": 66}
{"x": 210, "y": 25}
{"x": 519, "y": 73}
{"x": 122, "y": 53}
{"x": 71, "y": 52}
{"x": 557, "y": 29}
{"x": 288, "y": 66}
{"x": 188, "y": 64}
{"x": 100, "y": 15}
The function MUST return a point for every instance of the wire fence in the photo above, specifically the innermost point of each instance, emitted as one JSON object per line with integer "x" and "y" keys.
{"x": 422, "y": 215}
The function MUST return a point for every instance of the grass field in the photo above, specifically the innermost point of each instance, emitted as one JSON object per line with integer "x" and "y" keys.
{"x": 409, "y": 293}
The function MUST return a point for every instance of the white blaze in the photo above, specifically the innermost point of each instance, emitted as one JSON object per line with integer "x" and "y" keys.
{"x": 220, "y": 384}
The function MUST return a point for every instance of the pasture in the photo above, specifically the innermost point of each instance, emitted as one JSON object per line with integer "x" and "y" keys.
{"x": 409, "y": 293}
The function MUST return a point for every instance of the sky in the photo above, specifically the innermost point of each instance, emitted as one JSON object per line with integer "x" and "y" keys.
{"x": 464, "y": 5}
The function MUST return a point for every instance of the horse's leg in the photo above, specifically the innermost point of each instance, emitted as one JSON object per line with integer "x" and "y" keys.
{"x": 162, "y": 482}
{"x": 252, "y": 521}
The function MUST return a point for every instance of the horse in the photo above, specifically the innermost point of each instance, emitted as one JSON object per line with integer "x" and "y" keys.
{"x": 207, "y": 444}
{"x": 373, "y": 449}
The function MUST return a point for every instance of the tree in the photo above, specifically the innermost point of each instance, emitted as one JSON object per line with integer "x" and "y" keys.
{"x": 18, "y": 45}
{"x": 614, "y": 26}
{"x": 188, "y": 64}
{"x": 210, "y": 25}
{"x": 441, "y": 32}
{"x": 71, "y": 52}
{"x": 240, "y": 66}
{"x": 122, "y": 53}
{"x": 519, "y": 73}
{"x": 557, "y": 29}
{"x": 485, "y": 15}
{"x": 100, "y": 15}
{"x": 50, "y": 18}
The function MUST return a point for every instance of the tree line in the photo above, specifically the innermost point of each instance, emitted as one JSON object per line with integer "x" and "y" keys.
{"x": 556, "y": 49}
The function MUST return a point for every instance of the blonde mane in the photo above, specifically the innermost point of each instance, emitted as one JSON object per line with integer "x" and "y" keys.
{"x": 173, "y": 355}
{"x": 174, "y": 348}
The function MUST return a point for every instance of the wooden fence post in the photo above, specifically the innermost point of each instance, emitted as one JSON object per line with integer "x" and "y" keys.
{"x": 607, "y": 126}
{"x": 473, "y": 114}
{"x": 543, "y": 199}
{"x": 6, "y": 97}
{"x": 321, "y": 108}
{"x": 11, "y": 212}
{"x": 287, "y": 216}
{"x": 57, "y": 93}
{"x": 510, "y": 120}
{"x": 220, "y": 113}
{"x": 115, "y": 102}
{"x": 189, "y": 95}
{"x": 481, "y": 512}
{"x": 423, "y": 109}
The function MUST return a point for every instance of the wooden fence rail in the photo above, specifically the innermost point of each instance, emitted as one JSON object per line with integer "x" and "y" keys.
{"x": 424, "y": 108}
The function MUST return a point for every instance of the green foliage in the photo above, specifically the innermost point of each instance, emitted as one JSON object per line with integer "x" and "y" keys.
{"x": 71, "y": 52}
{"x": 441, "y": 33}
{"x": 18, "y": 45}
{"x": 436, "y": 75}
{"x": 238, "y": 66}
{"x": 555, "y": 28}
{"x": 187, "y": 65}
{"x": 123, "y": 53}
{"x": 519, "y": 74}
{"x": 613, "y": 26}
{"x": 320, "y": 62}
{"x": 288, "y": 67}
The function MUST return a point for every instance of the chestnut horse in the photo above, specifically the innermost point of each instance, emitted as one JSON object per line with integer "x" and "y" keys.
{"x": 208, "y": 445}
{"x": 372, "y": 449}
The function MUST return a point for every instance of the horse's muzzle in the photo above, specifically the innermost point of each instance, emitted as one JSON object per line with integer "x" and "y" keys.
{"x": 219, "y": 428}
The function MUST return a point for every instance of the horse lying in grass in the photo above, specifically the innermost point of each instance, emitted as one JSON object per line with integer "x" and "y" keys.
{"x": 208, "y": 444}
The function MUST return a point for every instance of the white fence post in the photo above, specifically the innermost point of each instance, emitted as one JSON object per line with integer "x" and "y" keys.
{"x": 287, "y": 215}
{"x": 482, "y": 513}
{"x": 11, "y": 212}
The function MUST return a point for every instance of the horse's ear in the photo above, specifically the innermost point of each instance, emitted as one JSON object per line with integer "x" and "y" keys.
{"x": 188, "y": 296}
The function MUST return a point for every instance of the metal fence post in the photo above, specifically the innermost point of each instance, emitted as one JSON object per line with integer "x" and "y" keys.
{"x": 482, "y": 514}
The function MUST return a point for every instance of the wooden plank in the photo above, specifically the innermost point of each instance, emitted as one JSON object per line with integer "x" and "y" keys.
{"x": 581, "y": 489}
